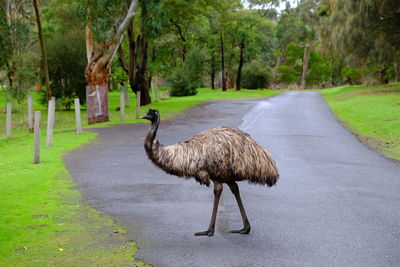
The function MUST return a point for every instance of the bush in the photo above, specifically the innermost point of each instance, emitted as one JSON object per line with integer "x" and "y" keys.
{"x": 352, "y": 75}
{"x": 185, "y": 79}
{"x": 287, "y": 74}
{"x": 256, "y": 74}
{"x": 181, "y": 84}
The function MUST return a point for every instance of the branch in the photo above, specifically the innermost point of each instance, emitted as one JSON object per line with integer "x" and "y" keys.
{"x": 122, "y": 61}
{"x": 119, "y": 33}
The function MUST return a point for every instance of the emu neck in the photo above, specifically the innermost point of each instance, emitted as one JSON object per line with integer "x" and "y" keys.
{"x": 151, "y": 135}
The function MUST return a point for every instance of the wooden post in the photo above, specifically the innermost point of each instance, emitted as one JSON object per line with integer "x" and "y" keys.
{"x": 54, "y": 110}
{"x": 50, "y": 122}
{"x": 30, "y": 114}
{"x": 36, "y": 153}
{"x": 125, "y": 90}
{"x": 121, "y": 106}
{"x": 78, "y": 116}
{"x": 138, "y": 105}
{"x": 8, "y": 121}
{"x": 156, "y": 89}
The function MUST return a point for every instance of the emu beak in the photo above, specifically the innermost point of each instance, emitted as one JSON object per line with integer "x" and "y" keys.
{"x": 144, "y": 117}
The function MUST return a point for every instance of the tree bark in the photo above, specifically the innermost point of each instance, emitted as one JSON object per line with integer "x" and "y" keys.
{"x": 141, "y": 73}
{"x": 241, "y": 62}
{"x": 45, "y": 66}
{"x": 397, "y": 71}
{"x": 382, "y": 73}
{"x": 306, "y": 58}
{"x": 212, "y": 72}
{"x": 223, "y": 60}
{"x": 97, "y": 73}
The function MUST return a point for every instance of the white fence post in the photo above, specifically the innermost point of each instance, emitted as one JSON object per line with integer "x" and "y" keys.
{"x": 36, "y": 153}
{"x": 121, "y": 106}
{"x": 30, "y": 114}
{"x": 125, "y": 90}
{"x": 138, "y": 104}
{"x": 50, "y": 122}
{"x": 8, "y": 121}
{"x": 78, "y": 116}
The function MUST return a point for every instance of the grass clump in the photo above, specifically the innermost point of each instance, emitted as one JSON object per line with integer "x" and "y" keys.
{"x": 370, "y": 112}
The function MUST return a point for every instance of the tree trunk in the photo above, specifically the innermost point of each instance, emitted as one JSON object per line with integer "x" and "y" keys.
{"x": 45, "y": 67}
{"x": 397, "y": 71}
{"x": 97, "y": 78}
{"x": 223, "y": 60}
{"x": 212, "y": 73}
{"x": 132, "y": 57}
{"x": 141, "y": 74}
{"x": 382, "y": 73}
{"x": 241, "y": 62}
{"x": 306, "y": 58}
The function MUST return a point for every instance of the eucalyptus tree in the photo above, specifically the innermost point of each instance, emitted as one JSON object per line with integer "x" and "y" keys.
{"x": 106, "y": 23}
{"x": 363, "y": 32}
{"x": 224, "y": 10}
{"x": 251, "y": 33}
{"x": 44, "y": 64}
{"x": 15, "y": 41}
{"x": 140, "y": 33}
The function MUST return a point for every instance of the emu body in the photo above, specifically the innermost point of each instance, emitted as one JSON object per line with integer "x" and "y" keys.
{"x": 221, "y": 155}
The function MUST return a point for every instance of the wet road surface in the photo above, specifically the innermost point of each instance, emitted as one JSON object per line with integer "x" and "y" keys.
{"x": 337, "y": 203}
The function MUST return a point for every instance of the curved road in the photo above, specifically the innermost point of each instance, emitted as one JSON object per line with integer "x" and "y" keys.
{"x": 337, "y": 203}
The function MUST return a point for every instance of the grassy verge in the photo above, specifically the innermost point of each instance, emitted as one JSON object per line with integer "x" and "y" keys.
{"x": 370, "y": 112}
{"x": 43, "y": 220}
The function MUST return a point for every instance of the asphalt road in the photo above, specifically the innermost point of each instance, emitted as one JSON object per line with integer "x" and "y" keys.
{"x": 337, "y": 203}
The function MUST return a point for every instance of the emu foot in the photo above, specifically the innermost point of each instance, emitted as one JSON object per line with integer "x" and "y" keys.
{"x": 244, "y": 231}
{"x": 209, "y": 232}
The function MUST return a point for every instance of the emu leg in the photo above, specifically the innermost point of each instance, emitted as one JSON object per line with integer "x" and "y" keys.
{"x": 217, "y": 194}
{"x": 246, "y": 225}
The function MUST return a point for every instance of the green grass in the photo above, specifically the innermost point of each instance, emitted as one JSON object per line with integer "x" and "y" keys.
{"x": 43, "y": 220}
{"x": 370, "y": 112}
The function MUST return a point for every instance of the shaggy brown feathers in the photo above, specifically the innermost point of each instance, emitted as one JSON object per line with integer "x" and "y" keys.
{"x": 220, "y": 154}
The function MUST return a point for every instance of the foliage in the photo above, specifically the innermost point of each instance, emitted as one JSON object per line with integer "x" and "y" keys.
{"x": 187, "y": 78}
{"x": 65, "y": 51}
{"x": 352, "y": 75}
{"x": 362, "y": 30}
{"x": 66, "y": 59}
{"x": 5, "y": 41}
{"x": 256, "y": 74}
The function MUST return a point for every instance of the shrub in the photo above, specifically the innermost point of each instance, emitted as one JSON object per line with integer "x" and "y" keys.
{"x": 185, "y": 79}
{"x": 256, "y": 74}
{"x": 181, "y": 83}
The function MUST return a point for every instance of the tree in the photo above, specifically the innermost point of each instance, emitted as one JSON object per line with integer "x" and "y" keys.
{"x": 45, "y": 67}
{"x": 362, "y": 32}
{"x": 15, "y": 41}
{"x": 251, "y": 33}
{"x": 147, "y": 26}
{"x": 103, "y": 36}
{"x": 66, "y": 51}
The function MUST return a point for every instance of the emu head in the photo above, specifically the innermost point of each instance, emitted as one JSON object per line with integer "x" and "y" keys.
{"x": 151, "y": 115}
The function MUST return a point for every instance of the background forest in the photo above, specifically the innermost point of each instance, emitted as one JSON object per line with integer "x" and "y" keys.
{"x": 197, "y": 43}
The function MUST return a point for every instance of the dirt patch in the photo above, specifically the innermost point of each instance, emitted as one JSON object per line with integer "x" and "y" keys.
{"x": 376, "y": 92}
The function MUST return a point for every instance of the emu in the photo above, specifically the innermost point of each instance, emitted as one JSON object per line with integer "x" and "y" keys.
{"x": 221, "y": 155}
